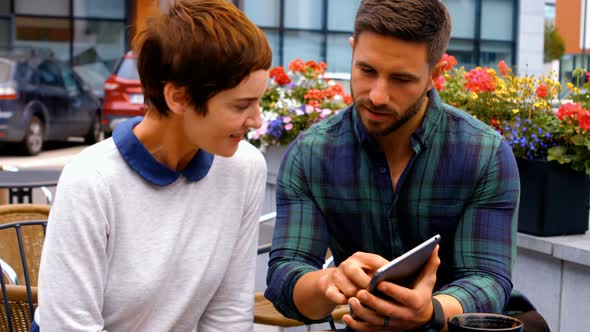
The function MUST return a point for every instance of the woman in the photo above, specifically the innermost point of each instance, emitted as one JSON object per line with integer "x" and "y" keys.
{"x": 156, "y": 228}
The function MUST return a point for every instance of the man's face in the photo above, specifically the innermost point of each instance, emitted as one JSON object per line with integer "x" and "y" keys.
{"x": 389, "y": 81}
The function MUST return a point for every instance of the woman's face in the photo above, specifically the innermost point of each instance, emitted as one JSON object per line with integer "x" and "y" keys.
{"x": 230, "y": 114}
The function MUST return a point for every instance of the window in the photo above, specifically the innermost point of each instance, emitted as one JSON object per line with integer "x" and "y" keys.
{"x": 273, "y": 40}
{"x": 341, "y": 14}
{"x": 496, "y": 19}
{"x": 49, "y": 73}
{"x": 4, "y": 7}
{"x": 493, "y": 52}
{"x": 128, "y": 69}
{"x": 304, "y": 45}
{"x": 4, "y": 33}
{"x": 303, "y": 14}
{"x": 463, "y": 17}
{"x": 103, "y": 8}
{"x": 463, "y": 51}
{"x": 264, "y": 13}
{"x": 70, "y": 82}
{"x": 5, "y": 71}
{"x": 47, "y": 33}
{"x": 98, "y": 41}
{"x": 339, "y": 53}
{"x": 46, "y": 8}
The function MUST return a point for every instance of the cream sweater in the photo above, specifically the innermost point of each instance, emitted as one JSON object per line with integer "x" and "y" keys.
{"x": 124, "y": 255}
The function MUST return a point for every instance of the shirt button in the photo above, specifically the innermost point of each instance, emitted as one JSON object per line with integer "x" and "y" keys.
{"x": 383, "y": 169}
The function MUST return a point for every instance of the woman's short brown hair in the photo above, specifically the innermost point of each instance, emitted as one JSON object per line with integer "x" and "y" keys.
{"x": 206, "y": 46}
{"x": 411, "y": 20}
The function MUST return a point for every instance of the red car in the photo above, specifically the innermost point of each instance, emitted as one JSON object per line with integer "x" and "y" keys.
{"x": 123, "y": 96}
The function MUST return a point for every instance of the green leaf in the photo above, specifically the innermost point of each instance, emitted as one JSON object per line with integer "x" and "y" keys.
{"x": 578, "y": 140}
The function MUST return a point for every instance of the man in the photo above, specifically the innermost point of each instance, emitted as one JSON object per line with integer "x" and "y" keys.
{"x": 396, "y": 168}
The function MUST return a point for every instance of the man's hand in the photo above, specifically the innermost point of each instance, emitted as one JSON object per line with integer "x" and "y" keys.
{"x": 408, "y": 308}
{"x": 317, "y": 293}
{"x": 352, "y": 275}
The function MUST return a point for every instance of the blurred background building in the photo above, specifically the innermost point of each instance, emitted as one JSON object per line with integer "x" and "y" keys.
{"x": 573, "y": 24}
{"x": 93, "y": 34}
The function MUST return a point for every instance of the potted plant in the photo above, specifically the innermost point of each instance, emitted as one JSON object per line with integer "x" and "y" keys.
{"x": 552, "y": 147}
{"x": 294, "y": 101}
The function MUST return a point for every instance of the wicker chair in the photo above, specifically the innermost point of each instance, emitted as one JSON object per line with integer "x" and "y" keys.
{"x": 265, "y": 312}
{"x": 19, "y": 310}
{"x": 32, "y": 238}
{"x": 22, "y": 230}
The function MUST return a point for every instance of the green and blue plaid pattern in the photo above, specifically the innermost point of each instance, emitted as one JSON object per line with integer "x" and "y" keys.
{"x": 334, "y": 191}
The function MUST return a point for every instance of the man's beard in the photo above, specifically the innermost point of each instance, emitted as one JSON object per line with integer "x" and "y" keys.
{"x": 411, "y": 111}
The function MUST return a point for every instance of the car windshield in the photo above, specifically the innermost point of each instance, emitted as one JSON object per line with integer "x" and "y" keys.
{"x": 128, "y": 69}
{"x": 93, "y": 74}
{"x": 5, "y": 70}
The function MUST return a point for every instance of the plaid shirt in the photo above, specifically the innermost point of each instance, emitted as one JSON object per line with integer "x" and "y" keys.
{"x": 334, "y": 190}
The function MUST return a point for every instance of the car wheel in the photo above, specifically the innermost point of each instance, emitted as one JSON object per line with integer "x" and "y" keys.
{"x": 33, "y": 142}
{"x": 95, "y": 133}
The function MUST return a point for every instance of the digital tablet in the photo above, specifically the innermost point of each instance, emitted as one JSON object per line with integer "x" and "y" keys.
{"x": 405, "y": 268}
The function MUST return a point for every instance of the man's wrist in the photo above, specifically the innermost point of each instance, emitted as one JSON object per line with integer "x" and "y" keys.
{"x": 437, "y": 322}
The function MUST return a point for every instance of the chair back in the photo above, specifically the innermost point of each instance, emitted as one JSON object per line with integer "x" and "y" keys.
{"x": 11, "y": 250}
{"x": 22, "y": 231}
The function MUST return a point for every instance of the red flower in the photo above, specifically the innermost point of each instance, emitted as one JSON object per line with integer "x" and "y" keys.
{"x": 584, "y": 119}
{"x": 282, "y": 79}
{"x": 542, "y": 91}
{"x": 568, "y": 110}
{"x": 503, "y": 67}
{"x": 319, "y": 68}
{"x": 348, "y": 99}
{"x": 439, "y": 84}
{"x": 297, "y": 65}
{"x": 479, "y": 80}
{"x": 277, "y": 71}
{"x": 450, "y": 61}
{"x": 279, "y": 75}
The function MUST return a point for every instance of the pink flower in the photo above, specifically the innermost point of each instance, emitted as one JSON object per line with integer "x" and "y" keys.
{"x": 299, "y": 111}
{"x": 325, "y": 112}
{"x": 309, "y": 109}
{"x": 287, "y": 119}
{"x": 479, "y": 80}
{"x": 288, "y": 126}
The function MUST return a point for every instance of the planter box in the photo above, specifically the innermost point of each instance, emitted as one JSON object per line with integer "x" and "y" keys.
{"x": 553, "y": 199}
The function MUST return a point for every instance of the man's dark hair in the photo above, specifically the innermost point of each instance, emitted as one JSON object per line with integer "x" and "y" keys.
{"x": 410, "y": 20}
{"x": 205, "y": 46}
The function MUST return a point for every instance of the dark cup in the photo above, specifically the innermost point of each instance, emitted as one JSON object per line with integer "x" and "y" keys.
{"x": 484, "y": 322}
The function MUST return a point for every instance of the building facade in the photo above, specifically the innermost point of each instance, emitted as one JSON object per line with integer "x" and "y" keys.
{"x": 573, "y": 24}
{"x": 484, "y": 31}
{"x": 97, "y": 32}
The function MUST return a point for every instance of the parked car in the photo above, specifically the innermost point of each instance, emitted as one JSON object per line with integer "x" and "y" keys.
{"x": 123, "y": 96}
{"x": 42, "y": 99}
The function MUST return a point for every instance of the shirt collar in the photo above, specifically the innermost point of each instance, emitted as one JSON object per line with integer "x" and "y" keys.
{"x": 419, "y": 138}
{"x": 142, "y": 162}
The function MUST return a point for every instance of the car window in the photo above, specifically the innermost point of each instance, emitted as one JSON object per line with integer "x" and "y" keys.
{"x": 5, "y": 70}
{"x": 70, "y": 82}
{"x": 127, "y": 69}
{"x": 50, "y": 74}
{"x": 24, "y": 72}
